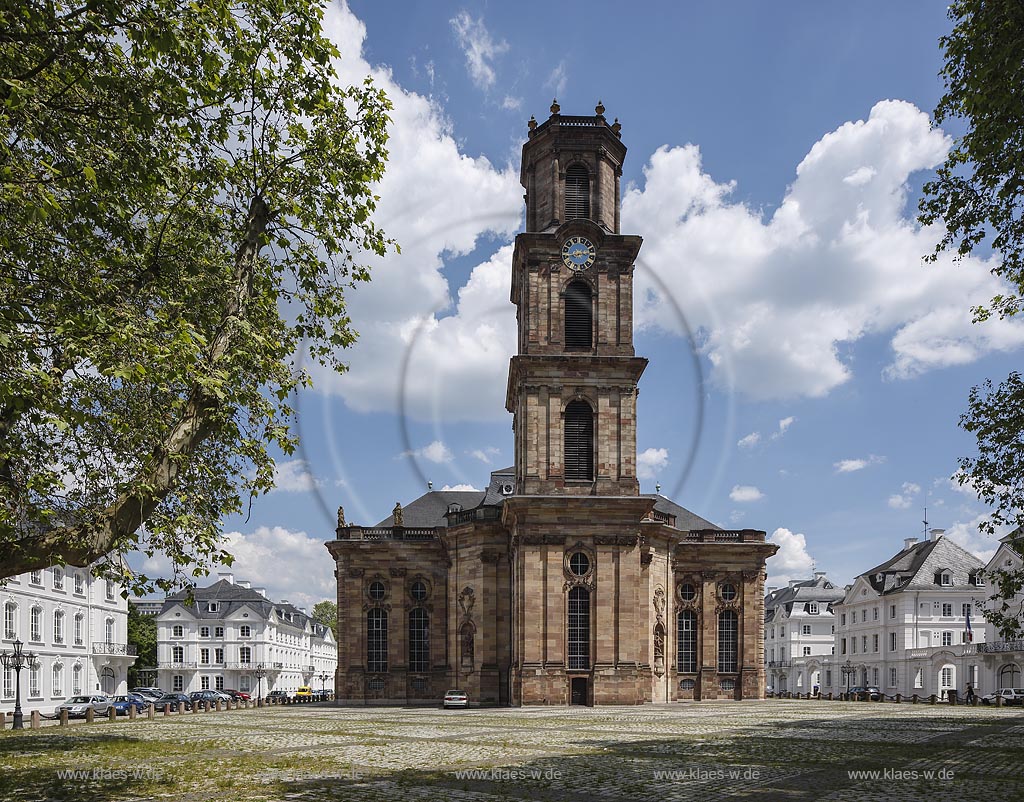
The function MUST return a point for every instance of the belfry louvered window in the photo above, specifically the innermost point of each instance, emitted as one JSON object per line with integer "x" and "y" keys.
{"x": 579, "y": 316}
{"x": 579, "y": 441}
{"x": 577, "y": 193}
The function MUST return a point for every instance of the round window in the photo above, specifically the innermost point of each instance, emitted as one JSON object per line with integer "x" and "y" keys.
{"x": 687, "y": 592}
{"x": 418, "y": 590}
{"x": 579, "y": 563}
{"x": 728, "y": 592}
{"x": 376, "y": 591}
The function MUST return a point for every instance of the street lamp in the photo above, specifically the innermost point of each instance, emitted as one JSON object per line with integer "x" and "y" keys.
{"x": 848, "y": 671}
{"x": 260, "y": 672}
{"x": 323, "y": 677}
{"x": 18, "y": 660}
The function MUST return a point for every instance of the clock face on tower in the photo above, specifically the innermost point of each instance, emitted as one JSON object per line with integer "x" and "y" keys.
{"x": 578, "y": 253}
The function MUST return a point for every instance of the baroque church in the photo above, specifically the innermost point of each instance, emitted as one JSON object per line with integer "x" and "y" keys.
{"x": 560, "y": 583}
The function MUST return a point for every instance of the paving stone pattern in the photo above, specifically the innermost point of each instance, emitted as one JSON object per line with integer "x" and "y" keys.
{"x": 771, "y": 749}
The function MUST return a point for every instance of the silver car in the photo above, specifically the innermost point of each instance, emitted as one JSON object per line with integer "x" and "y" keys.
{"x": 78, "y": 705}
{"x": 455, "y": 698}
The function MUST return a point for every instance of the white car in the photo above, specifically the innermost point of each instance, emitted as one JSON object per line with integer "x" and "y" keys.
{"x": 1008, "y": 696}
{"x": 455, "y": 698}
{"x": 78, "y": 705}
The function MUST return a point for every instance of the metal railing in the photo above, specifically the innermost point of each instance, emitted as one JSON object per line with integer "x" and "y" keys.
{"x": 477, "y": 514}
{"x": 390, "y": 533}
{"x": 1001, "y": 646}
{"x": 114, "y": 648}
{"x": 178, "y": 666}
{"x": 724, "y": 535}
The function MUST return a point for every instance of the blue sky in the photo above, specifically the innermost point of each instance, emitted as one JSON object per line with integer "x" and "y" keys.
{"x": 776, "y": 153}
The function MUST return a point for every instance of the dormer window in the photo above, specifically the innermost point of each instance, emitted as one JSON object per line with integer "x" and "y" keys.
{"x": 812, "y": 608}
{"x": 945, "y": 578}
{"x": 212, "y": 607}
{"x": 977, "y": 579}
{"x": 577, "y": 193}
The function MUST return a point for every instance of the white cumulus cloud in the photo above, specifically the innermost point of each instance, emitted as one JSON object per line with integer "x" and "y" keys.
{"x": 777, "y": 298}
{"x": 903, "y": 499}
{"x": 436, "y": 451}
{"x": 745, "y": 493}
{"x": 650, "y": 462}
{"x": 851, "y": 465}
{"x": 479, "y": 46}
{"x": 750, "y": 440}
{"x": 791, "y": 561}
{"x": 293, "y": 476}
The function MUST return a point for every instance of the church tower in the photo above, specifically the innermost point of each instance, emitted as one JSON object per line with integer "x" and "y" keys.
{"x": 572, "y": 386}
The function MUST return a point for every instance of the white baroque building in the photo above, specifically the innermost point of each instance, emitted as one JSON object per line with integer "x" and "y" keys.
{"x": 76, "y": 624}
{"x": 902, "y": 625}
{"x": 1002, "y": 661}
{"x": 799, "y": 632}
{"x": 231, "y": 628}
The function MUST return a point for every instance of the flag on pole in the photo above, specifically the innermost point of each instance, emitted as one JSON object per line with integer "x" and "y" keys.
{"x": 970, "y": 632}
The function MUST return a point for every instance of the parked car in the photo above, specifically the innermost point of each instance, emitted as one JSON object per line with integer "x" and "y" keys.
{"x": 212, "y": 697}
{"x": 240, "y": 696}
{"x": 303, "y": 694}
{"x": 455, "y": 698}
{"x": 78, "y": 705}
{"x": 172, "y": 699}
{"x": 1009, "y": 696}
{"x": 147, "y": 693}
{"x": 122, "y": 703}
{"x": 874, "y": 693}
{"x": 277, "y": 696}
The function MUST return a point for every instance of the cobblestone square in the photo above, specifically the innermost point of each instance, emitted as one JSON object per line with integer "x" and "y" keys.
{"x": 772, "y": 749}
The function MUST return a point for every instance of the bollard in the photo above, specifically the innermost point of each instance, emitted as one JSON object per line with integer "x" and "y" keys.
{"x": 111, "y": 713}
{"x": 150, "y": 711}
{"x": 132, "y": 713}
{"x": 35, "y": 722}
{"x": 932, "y": 699}
{"x": 830, "y": 696}
{"x": 206, "y": 707}
{"x": 167, "y": 709}
{"x": 89, "y": 715}
{"x": 899, "y": 698}
{"x": 64, "y": 717}
{"x": 216, "y": 705}
{"x": 195, "y": 706}
{"x": 181, "y": 708}
{"x": 3, "y": 720}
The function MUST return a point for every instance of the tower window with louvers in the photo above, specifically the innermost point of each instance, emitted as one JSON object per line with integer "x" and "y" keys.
{"x": 579, "y": 316}
{"x": 579, "y": 441}
{"x": 577, "y": 193}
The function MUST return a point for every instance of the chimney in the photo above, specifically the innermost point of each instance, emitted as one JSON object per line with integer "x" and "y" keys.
{"x": 303, "y": 611}
{"x": 819, "y": 575}
{"x": 243, "y": 583}
{"x": 793, "y": 582}
{"x": 261, "y": 591}
{"x": 284, "y": 602}
{"x": 770, "y": 590}
{"x": 908, "y": 542}
{"x": 936, "y": 533}
{"x": 228, "y": 577}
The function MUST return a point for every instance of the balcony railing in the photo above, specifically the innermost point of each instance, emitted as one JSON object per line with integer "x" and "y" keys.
{"x": 178, "y": 666}
{"x": 115, "y": 648}
{"x": 240, "y": 666}
{"x": 778, "y": 664}
{"x": 387, "y": 533}
{"x": 1001, "y": 646}
{"x": 725, "y": 536}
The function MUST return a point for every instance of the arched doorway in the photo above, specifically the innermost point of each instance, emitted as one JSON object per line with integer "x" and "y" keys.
{"x": 1009, "y": 676}
{"x": 107, "y": 681}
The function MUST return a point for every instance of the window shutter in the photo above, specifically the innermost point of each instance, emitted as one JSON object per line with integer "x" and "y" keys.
{"x": 579, "y": 317}
{"x": 577, "y": 193}
{"x": 579, "y": 441}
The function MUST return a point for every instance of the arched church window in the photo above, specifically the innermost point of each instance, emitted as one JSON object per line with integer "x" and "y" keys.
{"x": 579, "y": 629}
{"x": 728, "y": 641}
{"x": 377, "y": 640}
{"x": 686, "y": 642}
{"x": 579, "y": 441}
{"x": 419, "y": 639}
{"x": 579, "y": 316}
{"x": 577, "y": 193}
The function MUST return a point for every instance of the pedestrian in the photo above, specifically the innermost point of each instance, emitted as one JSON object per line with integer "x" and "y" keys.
{"x": 970, "y": 694}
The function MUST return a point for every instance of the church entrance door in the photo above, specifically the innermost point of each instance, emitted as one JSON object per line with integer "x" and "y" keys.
{"x": 579, "y": 690}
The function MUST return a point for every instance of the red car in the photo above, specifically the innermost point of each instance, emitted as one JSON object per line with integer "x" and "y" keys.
{"x": 238, "y": 695}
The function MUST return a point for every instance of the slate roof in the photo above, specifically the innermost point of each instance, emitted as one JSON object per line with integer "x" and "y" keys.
{"x": 231, "y": 597}
{"x": 819, "y": 589}
{"x": 429, "y": 509}
{"x": 914, "y": 568}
